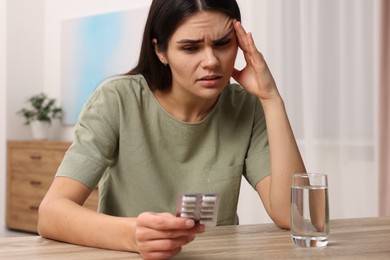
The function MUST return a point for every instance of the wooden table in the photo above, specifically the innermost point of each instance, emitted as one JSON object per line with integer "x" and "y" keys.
{"x": 365, "y": 238}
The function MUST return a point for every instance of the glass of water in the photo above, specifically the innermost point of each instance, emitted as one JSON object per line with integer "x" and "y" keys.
{"x": 309, "y": 210}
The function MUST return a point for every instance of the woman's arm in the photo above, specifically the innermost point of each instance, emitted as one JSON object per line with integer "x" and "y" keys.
{"x": 154, "y": 236}
{"x": 257, "y": 79}
{"x": 275, "y": 190}
{"x": 62, "y": 218}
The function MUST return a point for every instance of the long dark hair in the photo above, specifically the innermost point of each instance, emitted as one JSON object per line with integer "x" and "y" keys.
{"x": 163, "y": 19}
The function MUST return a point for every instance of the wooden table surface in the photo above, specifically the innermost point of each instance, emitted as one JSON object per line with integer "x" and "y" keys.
{"x": 364, "y": 238}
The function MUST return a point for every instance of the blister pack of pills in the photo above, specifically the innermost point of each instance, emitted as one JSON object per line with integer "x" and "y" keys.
{"x": 202, "y": 207}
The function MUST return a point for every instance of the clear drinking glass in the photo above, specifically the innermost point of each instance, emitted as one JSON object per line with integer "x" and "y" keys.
{"x": 309, "y": 210}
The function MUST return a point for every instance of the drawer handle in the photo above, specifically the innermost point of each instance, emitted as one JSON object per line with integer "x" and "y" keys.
{"x": 34, "y": 208}
{"x": 35, "y": 183}
{"x": 35, "y": 157}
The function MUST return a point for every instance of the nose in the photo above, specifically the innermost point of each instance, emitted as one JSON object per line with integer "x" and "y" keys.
{"x": 210, "y": 60}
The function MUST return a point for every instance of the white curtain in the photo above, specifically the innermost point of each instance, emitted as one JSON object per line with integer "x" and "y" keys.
{"x": 323, "y": 55}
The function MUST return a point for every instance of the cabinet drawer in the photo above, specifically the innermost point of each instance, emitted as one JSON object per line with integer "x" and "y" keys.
{"x": 36, "y": 186}
{"x": 22, "y": 213}
{"x": 30, "y": 185}
{"x": 35, "y": 160}
{"x": 31, "y": 167}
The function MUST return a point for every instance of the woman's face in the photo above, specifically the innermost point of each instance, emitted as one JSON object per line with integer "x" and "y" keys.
{"x": 201, "y": 54}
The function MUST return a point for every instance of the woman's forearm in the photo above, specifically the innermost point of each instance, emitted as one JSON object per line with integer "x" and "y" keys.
{"x": 64, "y": 220}
{"x": 152, "y": 235}
{"x": 285, "y": 159}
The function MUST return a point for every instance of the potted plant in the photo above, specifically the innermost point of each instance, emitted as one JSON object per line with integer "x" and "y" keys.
{"x": 40, "y": 113}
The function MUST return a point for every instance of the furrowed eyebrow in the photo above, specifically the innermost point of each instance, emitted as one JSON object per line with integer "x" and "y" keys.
{"x": 195, "y": 41}
{"x": 189, "y": 41}
{"x": 224, "y": 37}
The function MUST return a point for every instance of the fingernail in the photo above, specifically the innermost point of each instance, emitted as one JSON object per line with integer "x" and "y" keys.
{"x": 190, "y": 223}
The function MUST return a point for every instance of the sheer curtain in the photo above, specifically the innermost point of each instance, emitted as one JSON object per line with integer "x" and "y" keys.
{"x": 323, "y": 55}
{"x": 384, "y": 111}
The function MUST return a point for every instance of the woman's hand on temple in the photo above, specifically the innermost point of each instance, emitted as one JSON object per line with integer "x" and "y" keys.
{"x": 255, "y": 77}
{"x": 162, "y": 235}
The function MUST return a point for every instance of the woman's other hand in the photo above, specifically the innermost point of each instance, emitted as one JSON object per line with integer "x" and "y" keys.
{"x": 255, "y": 77}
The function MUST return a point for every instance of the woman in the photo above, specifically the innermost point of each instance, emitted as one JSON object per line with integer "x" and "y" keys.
{"x": 174, "y": 124}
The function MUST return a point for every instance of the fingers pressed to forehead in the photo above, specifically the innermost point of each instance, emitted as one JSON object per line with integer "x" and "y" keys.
{"x": 245, "y": 40}
{"x": 242, "y": 36}
{"x": 240, "y": 31}
{"x": 251, "y": 43}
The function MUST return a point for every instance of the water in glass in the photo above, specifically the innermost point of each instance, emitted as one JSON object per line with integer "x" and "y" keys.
{"x": 309, "y": 215}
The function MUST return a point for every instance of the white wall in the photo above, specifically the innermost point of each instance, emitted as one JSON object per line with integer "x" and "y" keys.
{"x": 34, "y": 43}
{"x": 3, "y": 107}
{"x": 25, "y": 33}
{"x": 55, "y": 13}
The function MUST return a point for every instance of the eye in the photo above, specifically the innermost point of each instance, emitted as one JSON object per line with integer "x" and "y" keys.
{"x": 190, "y": 48}
{"x": 223, "y": 43}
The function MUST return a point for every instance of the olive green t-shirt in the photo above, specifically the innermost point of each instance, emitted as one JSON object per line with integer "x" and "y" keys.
{"x": 143, "y": 158}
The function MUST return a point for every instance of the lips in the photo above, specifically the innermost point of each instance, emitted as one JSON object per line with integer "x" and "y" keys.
{"x": 210, "y": 77}
{"x": 210, "y": 80}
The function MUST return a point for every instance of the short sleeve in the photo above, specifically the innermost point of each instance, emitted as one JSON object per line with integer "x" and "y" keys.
{"x": 257, "y": 162}
{"x": 96, "y": 137}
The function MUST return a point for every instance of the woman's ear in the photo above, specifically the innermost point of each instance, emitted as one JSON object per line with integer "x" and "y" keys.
{"x": 160, "y": 55}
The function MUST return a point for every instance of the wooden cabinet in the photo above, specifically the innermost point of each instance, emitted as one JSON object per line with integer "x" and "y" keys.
{"x": 31, "y": 167}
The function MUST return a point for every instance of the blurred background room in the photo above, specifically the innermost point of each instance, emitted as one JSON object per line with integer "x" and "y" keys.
{"x": 330, "y": 59}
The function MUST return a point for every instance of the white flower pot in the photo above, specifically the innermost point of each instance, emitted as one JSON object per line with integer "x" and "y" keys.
{"x": 40, "y": 130}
